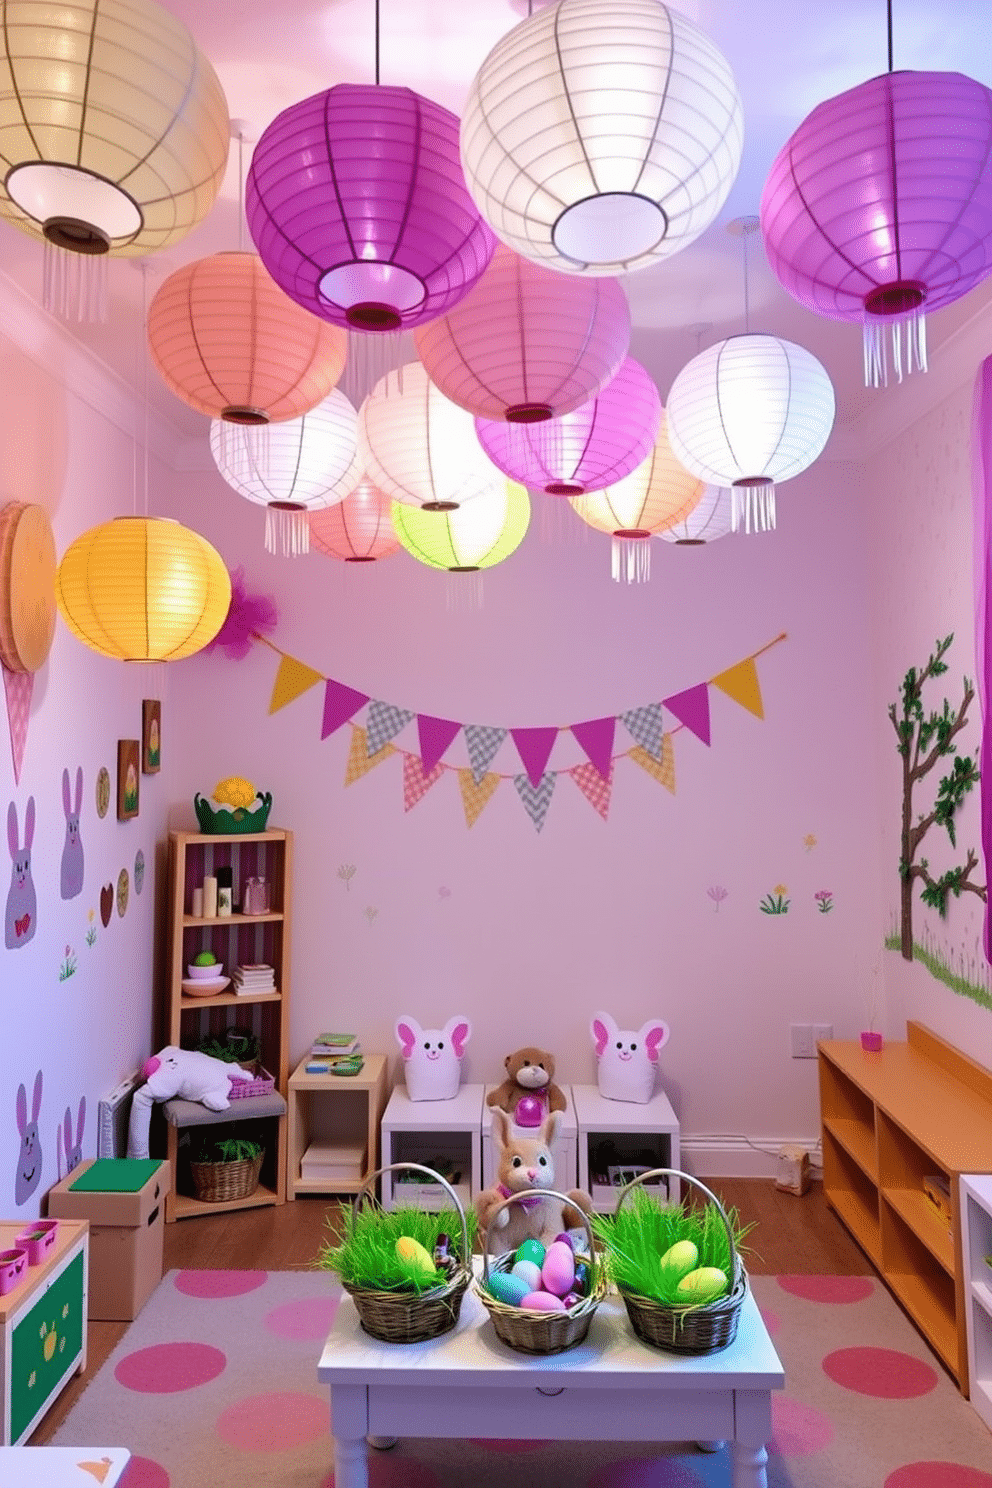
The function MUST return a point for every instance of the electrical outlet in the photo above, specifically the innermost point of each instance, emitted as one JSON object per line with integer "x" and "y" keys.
{"x": 803, "y": 1045}
{"x": 822, "y": 1031}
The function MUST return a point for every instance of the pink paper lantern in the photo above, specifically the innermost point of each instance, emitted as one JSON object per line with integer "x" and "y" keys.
{"x": 600, "y": 442}
{"x": 527, "y": 344}
{"x": 358, "y": 529}
{"x": 879, "y": 207}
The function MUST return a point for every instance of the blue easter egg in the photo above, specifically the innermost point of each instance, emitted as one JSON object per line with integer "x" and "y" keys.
{"x": 530, "y": 1250}
{"x": 528, "y": 1272}
{"x": 506, "y": 1288}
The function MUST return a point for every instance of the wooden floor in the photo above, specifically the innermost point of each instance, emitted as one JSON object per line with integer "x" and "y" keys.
{"x": 791, "y": 1234}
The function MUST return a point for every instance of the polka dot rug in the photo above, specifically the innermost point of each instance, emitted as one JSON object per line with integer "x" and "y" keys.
{"x": 215, "y": 1383}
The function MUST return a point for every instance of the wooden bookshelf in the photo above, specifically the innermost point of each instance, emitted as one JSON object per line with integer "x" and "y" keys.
{"x": 889, "y": 1119}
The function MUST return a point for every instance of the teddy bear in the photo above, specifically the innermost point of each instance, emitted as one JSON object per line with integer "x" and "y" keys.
{"x": 179, "y": 1072}
{"x": 529, "y": 1092}
{"x": 527, "y": 1162}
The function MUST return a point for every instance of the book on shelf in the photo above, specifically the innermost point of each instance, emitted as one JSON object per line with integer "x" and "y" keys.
{"x": 335, "y": 1043}
{"x": 254, "y": 978}
{"x": 324, "y": 1161}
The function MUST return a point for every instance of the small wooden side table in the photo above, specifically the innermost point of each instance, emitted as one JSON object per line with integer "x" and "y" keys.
{"x": 342, "y": 1110}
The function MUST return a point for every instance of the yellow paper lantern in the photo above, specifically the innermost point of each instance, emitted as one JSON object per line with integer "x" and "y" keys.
{"x": 143, "y": 589}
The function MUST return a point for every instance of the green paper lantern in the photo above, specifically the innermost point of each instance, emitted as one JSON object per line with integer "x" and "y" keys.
{"x": 479, "y": 534}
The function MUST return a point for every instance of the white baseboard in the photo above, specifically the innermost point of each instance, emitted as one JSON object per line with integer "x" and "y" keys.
{"x": 741, "y": 1157}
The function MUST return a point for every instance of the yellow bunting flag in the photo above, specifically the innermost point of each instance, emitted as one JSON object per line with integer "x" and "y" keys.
{"x": 475, "y": 798}
{"x": 293, "y": 679}
{"x": 662, "y": 769}
{"x": 360, "y": 763}
{"x": 740, "y": 682}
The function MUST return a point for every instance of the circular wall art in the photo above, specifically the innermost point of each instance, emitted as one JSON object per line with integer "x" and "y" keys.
{"x": 123, "y": 885}
{"x": 102, "y": 791}
{"x": 27, "y": 587}
{"x": 139, "y": 871}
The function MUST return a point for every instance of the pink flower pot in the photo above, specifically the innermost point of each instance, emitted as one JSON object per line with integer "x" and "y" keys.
{"x": 13, "y": 1264}
{"x": 872, "y": 1042}
{"x": 38, "y": 1240}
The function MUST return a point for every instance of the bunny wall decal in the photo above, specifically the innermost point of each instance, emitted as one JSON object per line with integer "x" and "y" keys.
{"x": 73, "y": 1149}
{"x": 72, "y": 851}
{"x": 626, "y": 1061}
{"x": 432, "y": 1057}
{"x": 21, "y": 916}
{"x": 29, "y": 1158}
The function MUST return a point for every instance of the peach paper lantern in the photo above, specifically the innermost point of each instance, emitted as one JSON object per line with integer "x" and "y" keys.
{"x": 358, "y": 529}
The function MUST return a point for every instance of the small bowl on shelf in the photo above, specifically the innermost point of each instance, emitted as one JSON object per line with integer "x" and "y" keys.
{"x": 202, "y": 987}
{"x": 209, "y": 973}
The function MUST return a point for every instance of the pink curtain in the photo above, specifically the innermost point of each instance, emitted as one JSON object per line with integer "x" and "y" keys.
{"x": 981, "y": 446}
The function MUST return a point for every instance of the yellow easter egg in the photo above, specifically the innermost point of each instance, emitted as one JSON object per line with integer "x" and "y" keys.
{"x": 679, "y": 1259}
{"x": 415, "y": 1260}
{"x": 702, "y": 1285}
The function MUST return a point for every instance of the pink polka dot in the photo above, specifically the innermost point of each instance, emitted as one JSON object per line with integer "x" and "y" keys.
{"x": 142, "y": 1472}
{"x": 274, "y": 1422}
{"x": 887, "y": 1374}
{"x": 305, "y": 1318}
{"x": 937, "y": 1475}
{"x": 828, "y": 1288}
{"x": 505, "y": 1444}
{"x": 219, "y": 1283}
{"x": 166, "y": 1368}
{"x": 771, "y": 1320}
{"x": 390, "y": 1470}
{"x": 646, "y": 1472}
{"x": 797, "y": 1429}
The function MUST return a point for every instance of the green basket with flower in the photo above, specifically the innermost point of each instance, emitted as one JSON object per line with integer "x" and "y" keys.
{"x": 236, "y": 806}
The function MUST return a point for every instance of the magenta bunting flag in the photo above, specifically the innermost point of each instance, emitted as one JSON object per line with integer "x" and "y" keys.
{"x": 435, "y": 736}
{"x": 982, "y": 529}
{"x": 534, "y": 746}
{"x": 340, "y": 704}
{"x": 692, "y": 708}
{"x": 596, "y": 737}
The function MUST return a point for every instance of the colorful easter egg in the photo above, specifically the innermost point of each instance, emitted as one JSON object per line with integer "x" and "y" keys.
{"x": 558, "y": 1271}
{"x": 528, "y": 1272}
{"x": 583, "y": 1277}
{"x": 703, "y": 1285}
{"x": 542, "y": 1302}
{"x": 530, "y": 1250}
{"x": 415, "y": 1260}
{"x": 571, "y": 1299}
{"x": 506, "y": 1288}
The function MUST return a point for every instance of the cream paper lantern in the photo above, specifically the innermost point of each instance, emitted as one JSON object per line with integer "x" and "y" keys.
{"x": 711, "y": 518}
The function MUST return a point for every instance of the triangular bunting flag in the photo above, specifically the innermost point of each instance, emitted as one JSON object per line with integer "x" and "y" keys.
{"x": 416, "y": 783}
{"x": 340, "y": 705}
{"x": 663, "y": 770}
{"x": 596, "y": 737}
{"x": 383, "y": 723}
{"x": 293, "y": 679}
{"x": 646, "y": 727}
{"x": 740, "y": 682}
{"x": 360, "y": 762}
{"x": 435, "y": 736}
{"x": 534, "y": 746}
{"x": 536, "y": 798}
{"x": 476, "y": 794}
{"x": 692, "y": 708}
{"x": 483, "y": 744}
{"x": 594, "y": 787}
{"x": 18, "y": 686}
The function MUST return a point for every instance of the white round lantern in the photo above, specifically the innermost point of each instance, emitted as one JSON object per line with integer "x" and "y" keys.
{"x": 291, "y": 468}
{"x": 712, "y": 517}
{"x": 601, "y": 136}
{"x": 749, "y": 413}
{"x": 418, "y": 447}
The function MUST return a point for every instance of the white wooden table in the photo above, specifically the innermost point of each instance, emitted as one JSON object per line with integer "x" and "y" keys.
{"x": 610, "y": 1387}
{"x": 62, "y": 1467}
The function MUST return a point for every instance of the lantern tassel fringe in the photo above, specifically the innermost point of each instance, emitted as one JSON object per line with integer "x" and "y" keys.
{"x": 74, "y": 285}
{"x": 371, "y": 355}
{"x": 908, "y": 337}
{"x": 753, "y": 508}
{"x": 631, "y": 560}
{"x": 287, "y": 532}
{"x": 464, "y": 592}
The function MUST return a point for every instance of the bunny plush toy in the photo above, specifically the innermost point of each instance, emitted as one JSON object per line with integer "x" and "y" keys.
{"x": 432, "y": 1057}
{"x": 72, "y": 851}
{"x": 526, "y": 1162}
{"x": 627, "y": 1061}
{"x": 21, "y": 915}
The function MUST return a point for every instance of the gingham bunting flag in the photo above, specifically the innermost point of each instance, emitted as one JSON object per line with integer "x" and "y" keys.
{"x": 663, "y": 770}
{"x": 415, "y": 783}
{"x": 476, "y": 794}
{"x": 596, "y": 790}
{"x": 383, "y": 722}
{"x": 536, "y": 798}
{"x": 483, "y": 744}
{"x": 360, "y": 762}
{"x": 18, "y": 686}
{"x": 646, "y": 727}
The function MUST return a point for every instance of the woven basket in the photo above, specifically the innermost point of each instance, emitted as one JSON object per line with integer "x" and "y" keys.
{"x": 221, "y": 820}
{"x": 406, "y": 1317}
{"x": 216, "y": 1182}
{"x": 694, "y": 1328}
{"x": 539, "y": 1332}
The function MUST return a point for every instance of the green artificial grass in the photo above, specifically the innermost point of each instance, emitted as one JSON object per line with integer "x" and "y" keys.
{"x": 635, "y": 1239}
{"x": 365, "y": 1256}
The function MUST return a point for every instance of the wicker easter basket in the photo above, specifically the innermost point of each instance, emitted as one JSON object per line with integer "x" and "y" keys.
{"x": 406, "y": 1317}
{"x": 539, "y": 1332}
{"x": 694, "y": 1328}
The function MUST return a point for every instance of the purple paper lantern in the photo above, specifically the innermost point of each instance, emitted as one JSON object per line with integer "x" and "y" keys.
{"x": 879, "y": 207}
{"x": 357, "y": 204}
{"x": 592, "y": 447}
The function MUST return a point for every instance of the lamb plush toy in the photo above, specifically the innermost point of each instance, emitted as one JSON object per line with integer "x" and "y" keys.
{"x": 179, "y": 1072}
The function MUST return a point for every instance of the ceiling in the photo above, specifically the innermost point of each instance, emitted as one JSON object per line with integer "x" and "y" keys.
{"x": 787, "y": 56}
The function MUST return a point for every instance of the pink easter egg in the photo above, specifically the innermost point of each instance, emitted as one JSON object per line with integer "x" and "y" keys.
{"x": 558, "y": 1271}
{"x": 542, "y": 1302}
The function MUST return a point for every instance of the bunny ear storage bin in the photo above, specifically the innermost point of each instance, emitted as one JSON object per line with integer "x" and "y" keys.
{"x": 432, "y": 1057}
{"x": 626, "y": 1061}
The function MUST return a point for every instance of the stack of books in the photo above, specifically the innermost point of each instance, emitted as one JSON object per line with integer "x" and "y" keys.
{"x": 334, "y": 1045}
{"x": 254, "y": 976}
{"x": 332, "y": 1162}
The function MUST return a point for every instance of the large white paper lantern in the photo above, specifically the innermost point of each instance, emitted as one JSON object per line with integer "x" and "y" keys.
{"x": 712, "y": 517}
{"x": 601, "y": 136}
{"x": 749, "y": 413}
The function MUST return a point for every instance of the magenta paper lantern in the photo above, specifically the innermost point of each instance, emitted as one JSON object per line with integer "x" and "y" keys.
{"x": 598, "y": 443}
{"x": 527, "y": 344}
{"x": 879, "y": 208}
{"x": 358, "y": 529}
{"x": 358, "y": 206}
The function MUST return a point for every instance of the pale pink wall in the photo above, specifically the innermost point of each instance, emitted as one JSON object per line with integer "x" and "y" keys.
{"x": 529, "y": 933}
